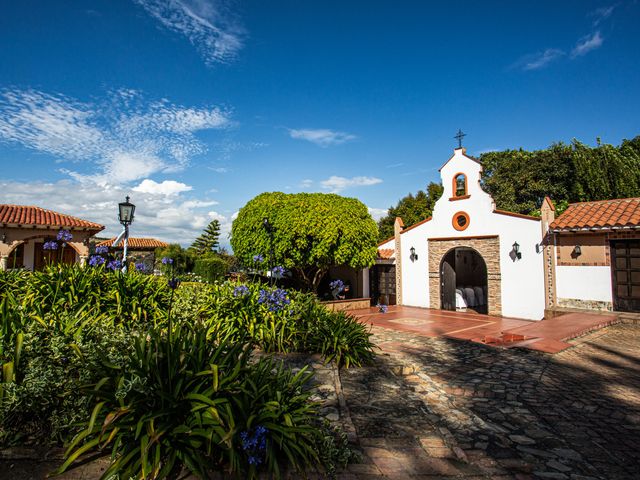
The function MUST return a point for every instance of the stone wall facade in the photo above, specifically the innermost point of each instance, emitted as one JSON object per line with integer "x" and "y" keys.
{"x": 348, "y": 305}
{"x": 597, "y": 305}
{"x": 487, "y": 247}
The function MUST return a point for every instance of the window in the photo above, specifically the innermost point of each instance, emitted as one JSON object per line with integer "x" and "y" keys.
{"x": 460, "y": 221}
{"x": 460, "y": 185}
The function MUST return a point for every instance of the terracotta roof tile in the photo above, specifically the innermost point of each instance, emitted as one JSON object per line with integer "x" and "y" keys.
{"x": 29, "y": 215}
{"x": 136, "y": 243}
{"x": 624, "y": 212}
{"x": 385, "y": 253}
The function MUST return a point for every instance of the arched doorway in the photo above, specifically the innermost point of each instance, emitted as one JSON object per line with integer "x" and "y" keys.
{"x": 463, "y": 280}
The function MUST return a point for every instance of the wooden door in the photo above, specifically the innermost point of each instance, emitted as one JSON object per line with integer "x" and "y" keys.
{"x": 448, "y": 282}
{"x": 625, "y": 269}
{"x": 42, "y": 257}
{"x": 382, "y": 284}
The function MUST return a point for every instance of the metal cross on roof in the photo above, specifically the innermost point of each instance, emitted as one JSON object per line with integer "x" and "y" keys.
{"x": 459, "y": 136}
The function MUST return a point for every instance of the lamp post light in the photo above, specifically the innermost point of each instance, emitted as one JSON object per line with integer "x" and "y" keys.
{"x": 516, "y": 250}
{"x": 126, "y": 212}
{"x": 269, "y": 229}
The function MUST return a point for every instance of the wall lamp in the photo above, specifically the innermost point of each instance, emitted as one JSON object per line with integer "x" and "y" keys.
{"x": 414, "y": 255}
{"x": 516, "y": 251}
{"x": 577, "y": 251}
{"x": 4, "y": 238}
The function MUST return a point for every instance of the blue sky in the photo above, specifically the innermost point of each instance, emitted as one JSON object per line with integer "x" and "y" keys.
{"x": 193, "y": 107}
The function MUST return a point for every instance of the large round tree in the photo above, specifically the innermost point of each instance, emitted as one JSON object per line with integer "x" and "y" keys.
{"x": 311, "y": 232}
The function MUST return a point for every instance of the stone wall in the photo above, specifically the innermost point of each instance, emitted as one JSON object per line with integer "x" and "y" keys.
{"x": 487, "y": 247}
{"x": 585, "y": 304}
{"x": 346, "y": 305}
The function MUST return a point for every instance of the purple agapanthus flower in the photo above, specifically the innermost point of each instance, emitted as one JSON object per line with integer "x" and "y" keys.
{"x": 173, "y": 283}
{"x": 96, "y": 260}
{"x": 50, "y": 245}
{"x": 240, "y": 291}
{"x": 278, "y": 271}
{"x": 141, "y": 267}
{"x": 254, "y": 444}
{"x": 64, "y": 236}
{"x": 114, "y": 265}
{"x": 258, "y": 258}
{"x": 167, "y": 261}
{"x": 275, "y": 300}
{"x": 102, "y": 250}
{"x": 336, "y": 286}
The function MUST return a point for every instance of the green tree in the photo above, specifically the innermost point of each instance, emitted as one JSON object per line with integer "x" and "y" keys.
{"x": 518, "y": 180}
{"x": 208, "y": 241}
{"x": 183, "y": 259}
{"x": 411, "y": 208}
{"x": 311, "y": 232}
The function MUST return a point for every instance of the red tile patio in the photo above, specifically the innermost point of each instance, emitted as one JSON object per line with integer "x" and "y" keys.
{"x": 548, "y": 335}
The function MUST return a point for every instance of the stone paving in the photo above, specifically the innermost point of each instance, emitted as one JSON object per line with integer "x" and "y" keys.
{"x": 456, "y": 408}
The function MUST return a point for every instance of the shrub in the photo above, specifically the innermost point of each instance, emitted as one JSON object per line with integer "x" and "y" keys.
{"x": 130, "y": 298}
{"x": 185, "y": 401}
{"x": 44, "y": 399}
{"x": 283, "y": 321}
{"x": 211, "y": 268}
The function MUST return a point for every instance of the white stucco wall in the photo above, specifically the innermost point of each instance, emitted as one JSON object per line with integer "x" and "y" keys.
{"x": 415, "y": 275}
{"x": 522, "y": 280}
{"x": 584, "y": 283}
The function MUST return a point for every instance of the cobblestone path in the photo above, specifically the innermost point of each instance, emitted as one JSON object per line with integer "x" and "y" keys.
{"x": 510, "y": 413}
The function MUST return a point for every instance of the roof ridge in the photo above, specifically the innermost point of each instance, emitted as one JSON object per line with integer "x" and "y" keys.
{"x": 606, "y": 200}
{"x": 10, "y": 206}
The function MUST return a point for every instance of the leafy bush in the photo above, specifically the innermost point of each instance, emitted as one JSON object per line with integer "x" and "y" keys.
{"x": 340, "y": 337}
{"x": 130, "y": 298}
{"x": 211, "y": 268}
{"x": 43, "y": 400}
{"x": 183, "y": 400}
{"x": 282, "y": 321}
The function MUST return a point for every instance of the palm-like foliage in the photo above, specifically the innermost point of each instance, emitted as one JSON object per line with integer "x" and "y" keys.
{"x": 184, "y": 401}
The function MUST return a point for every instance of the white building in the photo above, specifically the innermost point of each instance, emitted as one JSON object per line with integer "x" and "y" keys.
{"x": 467, "y": 255}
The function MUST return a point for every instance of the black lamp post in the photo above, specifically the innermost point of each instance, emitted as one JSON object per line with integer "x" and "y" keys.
{"x": 126, "y": 210}
{"x": 269, "y": 229}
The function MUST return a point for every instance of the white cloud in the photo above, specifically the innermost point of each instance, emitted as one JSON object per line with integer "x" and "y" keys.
{"x": 227, "y": 148}
{"x": 536, "y": 61}
{"x": 210, "y": 26}
{"x": 306, "y": 183}
{"x": 336, "y": 184}
{"x": 167, "y": 187}
{"x": 198, "y": 203}
{"x": 171, "y": 218}
{"x": 601, "y": 14}
{"x": 394, "y": 165}
{"x": 377, "y": 213}
{"x": 587, "y": 44}
{"x": 322, "y": 137}
{"x": 219, "y": 169}
{"x": 127, "y": 137}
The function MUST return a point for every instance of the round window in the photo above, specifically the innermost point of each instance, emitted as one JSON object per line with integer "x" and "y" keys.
{"x": 460, "y": 221}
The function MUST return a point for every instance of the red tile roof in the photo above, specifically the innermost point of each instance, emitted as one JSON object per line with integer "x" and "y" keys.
{"x": 27, "y": 216}
{"x": 136, "y": 243}
{"x": 385, "y": 253}
{"x": 624, "y": 212}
